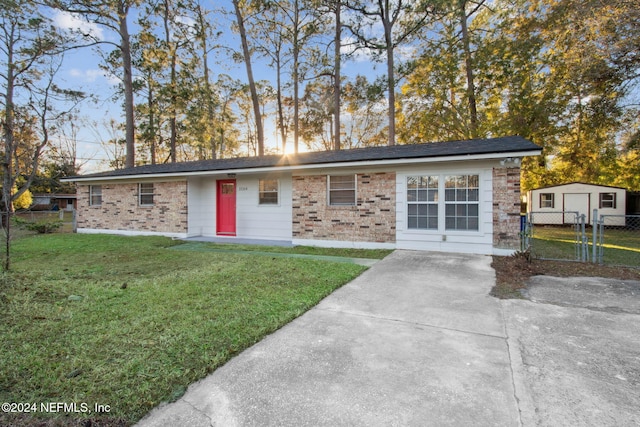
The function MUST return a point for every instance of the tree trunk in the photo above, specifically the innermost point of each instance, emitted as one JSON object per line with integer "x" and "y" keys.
{"x": 171, "y": 46}
{"x": 471, "y": 88}
{"x": 337, "y": 79}
{"x": 7, "y": 183}
{"x": 391, "y": 81}
{"x": 252, "y": 85}
{"x": 296, "y": 80}
{"x": 207, "y": 84}
{"x": 152, "y": 125}
{"x": 127, "y": 80}
{"x": 283, "y": 132}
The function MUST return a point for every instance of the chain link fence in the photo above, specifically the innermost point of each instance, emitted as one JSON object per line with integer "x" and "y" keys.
{"x": 609, "y": 239}
{"x": 618, "y": 240}
{"x": 65, "y": 219}
{"x": 556, "y": 236}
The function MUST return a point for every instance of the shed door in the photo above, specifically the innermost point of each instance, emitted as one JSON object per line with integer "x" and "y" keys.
{"x": 226, "y": 207}
{"x": 576, "y": 202}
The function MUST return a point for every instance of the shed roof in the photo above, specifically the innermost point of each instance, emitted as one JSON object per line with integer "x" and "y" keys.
{"x": 578, "y": 183}
{"x": 501, "y": 147}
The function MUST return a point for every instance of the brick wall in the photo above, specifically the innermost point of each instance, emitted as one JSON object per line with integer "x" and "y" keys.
{"x": 372, "y": 219}
{"x": 120, "y": 209}
{"x": 506, "y": 208}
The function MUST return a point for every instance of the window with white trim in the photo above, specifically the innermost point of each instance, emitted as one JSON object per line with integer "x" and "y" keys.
{"x": 342, "y": 190}
{"x": 422, "y": 202}
{"x": 95, "y": 195}
{"x": 268, "y": 192}
{"x": 547, "y": 200}
{"x": 607, "y": 200}
{"x": 145, "y": 194}
{"x": 461, "y": 202}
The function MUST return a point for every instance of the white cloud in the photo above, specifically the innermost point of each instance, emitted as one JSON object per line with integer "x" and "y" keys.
{"x": 73, "y": 22}
{"x": 406, "y": 53}
{"x": 92, "y": 75}
{"x": 348, "y": 47}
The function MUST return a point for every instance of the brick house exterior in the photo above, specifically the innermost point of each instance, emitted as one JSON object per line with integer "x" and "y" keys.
{"x": 371, "y": 219}
{"x": 459, "y": 196}
{"x": 121, "y": 210}
{"x": 506, "y": 207}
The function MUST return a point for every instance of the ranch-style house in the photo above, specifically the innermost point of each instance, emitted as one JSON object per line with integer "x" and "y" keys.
{"x": 461, "y": 196}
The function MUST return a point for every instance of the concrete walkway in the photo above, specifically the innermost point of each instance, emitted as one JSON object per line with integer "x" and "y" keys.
{"x": 415, "y": 340}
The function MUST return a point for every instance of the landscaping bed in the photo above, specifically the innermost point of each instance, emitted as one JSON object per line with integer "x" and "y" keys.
{"x": 512, "y": 272}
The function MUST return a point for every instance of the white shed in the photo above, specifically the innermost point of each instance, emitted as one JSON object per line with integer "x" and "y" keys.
{"x": 576, "y": 197}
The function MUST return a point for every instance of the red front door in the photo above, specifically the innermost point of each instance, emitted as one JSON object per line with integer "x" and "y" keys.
{"x": 226, "y": 207}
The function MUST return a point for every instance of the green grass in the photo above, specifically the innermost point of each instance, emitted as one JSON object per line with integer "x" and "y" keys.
{"x": 126, "y": 322}
{"x": 621, "y": 246}
{"x": 303, "y": 250}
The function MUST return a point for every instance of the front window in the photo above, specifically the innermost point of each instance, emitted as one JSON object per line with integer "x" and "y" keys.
{"x": 461, "y": 196}
{"x": 268, "y": 192}
{"x": 422, "y": 198}
{"x": 145, "y": 194}
{"x": 546, "y": 200}
{"x": 342, "y": 190}
{"x": 608, "y": 200}
{"x": 95, "y": 195}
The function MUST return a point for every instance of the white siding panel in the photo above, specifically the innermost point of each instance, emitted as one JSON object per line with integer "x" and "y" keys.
{"x": 201, "y": 199}
{"x": 255, "y": 221}
{"x": 480, "y": 241}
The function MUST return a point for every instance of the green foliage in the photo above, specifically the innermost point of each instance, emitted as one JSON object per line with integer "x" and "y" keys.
{"x": 48, "y": 178}
{"x": 44, "y": 226}
{"x": 130, "y": 323}
{"x": 551, "y": 71}
{"x": 24, "y": 200}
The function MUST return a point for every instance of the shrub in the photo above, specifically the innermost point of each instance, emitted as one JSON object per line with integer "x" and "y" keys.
{"x": 24, "y": 201}
{"x": 41, "y": 227}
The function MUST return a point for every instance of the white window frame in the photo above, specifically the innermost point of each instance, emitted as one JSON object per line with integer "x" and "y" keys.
{"x": 146, "y": 193}
{"x": 276, "y": 191}
{"x": 610, "y": 201}
{"x": 428, "y": 204}
{"x": 552, "y": 201}
{"x": 463, "y": 197}
{"x": 355, "y": 190}
{"x": 442, "y": 202}
{"x": 93, "y": 195}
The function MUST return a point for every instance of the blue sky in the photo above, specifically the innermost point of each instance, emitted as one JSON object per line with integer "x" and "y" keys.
{"x": 82, "y": 71}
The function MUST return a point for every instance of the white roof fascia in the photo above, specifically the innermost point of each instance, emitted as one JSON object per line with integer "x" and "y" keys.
{"x": 360, "y": 163}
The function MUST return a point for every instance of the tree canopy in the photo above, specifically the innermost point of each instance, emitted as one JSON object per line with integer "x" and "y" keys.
{"x": 562, "y": 73}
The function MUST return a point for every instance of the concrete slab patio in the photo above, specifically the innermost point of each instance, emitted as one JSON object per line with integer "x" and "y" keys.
{"x": 578, "y": 358}
{"x": 415, "y": 340}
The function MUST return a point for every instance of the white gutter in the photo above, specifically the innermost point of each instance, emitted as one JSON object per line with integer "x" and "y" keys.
{"x": 357, "y": 163}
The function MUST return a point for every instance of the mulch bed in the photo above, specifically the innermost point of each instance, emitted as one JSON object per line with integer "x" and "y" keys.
{"x": 512, "y": 272}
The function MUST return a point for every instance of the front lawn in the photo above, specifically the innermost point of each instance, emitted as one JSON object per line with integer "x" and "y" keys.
{"x": 127, "y": 323}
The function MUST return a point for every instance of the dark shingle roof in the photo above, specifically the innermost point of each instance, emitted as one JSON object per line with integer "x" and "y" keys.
{"x": 503, "y": 145}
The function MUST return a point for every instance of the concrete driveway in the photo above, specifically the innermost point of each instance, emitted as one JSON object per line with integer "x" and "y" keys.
{"x": 578, "y": 361}
{"x": 417, "y": 341}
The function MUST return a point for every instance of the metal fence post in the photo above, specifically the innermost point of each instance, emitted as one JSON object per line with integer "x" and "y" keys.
{"x": 584, "y": 246}
{"x": 594, "y": 242}
{"x": 600, "y": 240}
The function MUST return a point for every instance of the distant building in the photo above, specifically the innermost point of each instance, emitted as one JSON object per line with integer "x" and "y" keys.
{"x": 576, "y": 197}
{"x": 54, "y": 202}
